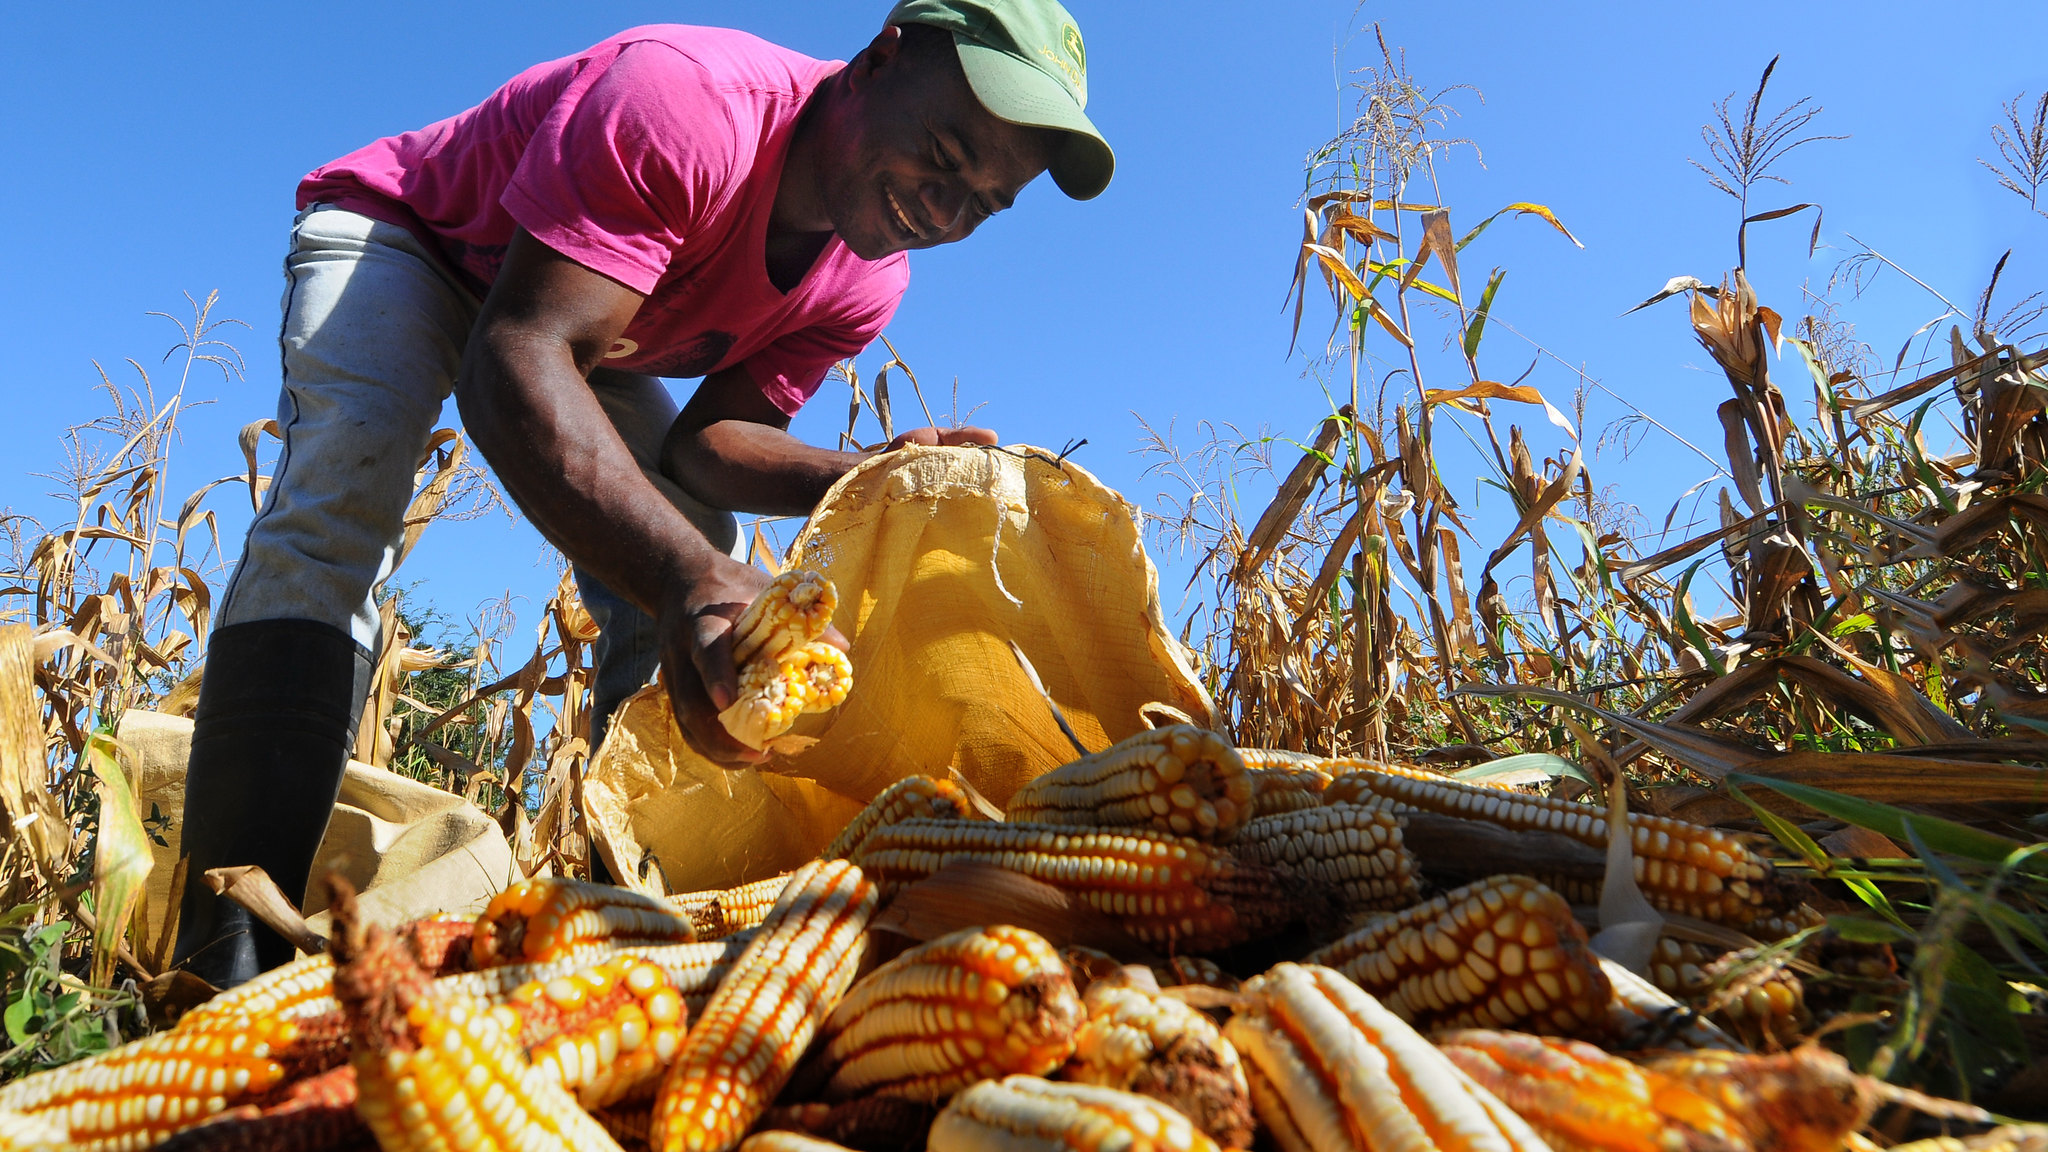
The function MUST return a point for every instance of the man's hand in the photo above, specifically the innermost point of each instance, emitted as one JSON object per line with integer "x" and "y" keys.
{"x": 696, "y": 655}
{"x": 943, "y": 437}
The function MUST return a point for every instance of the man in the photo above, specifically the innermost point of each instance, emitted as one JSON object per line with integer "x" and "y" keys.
{"x": 674, "y": 201}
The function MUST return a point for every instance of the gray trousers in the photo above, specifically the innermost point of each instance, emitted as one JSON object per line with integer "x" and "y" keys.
{"x": 374, "y": 331}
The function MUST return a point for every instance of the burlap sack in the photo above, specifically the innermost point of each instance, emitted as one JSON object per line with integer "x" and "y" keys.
{"x": 411, "y": 849}
{"x": 942, "y": 557}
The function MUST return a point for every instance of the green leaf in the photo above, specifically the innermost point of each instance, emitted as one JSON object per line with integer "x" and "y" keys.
{"x": 1544, "y": 762}
{"x": 1477, "y": 327}
{"x": 1859, "y": 930}
{"x": 121, "y": 860}
{"x": 1940, "y": 835}
{"x": 1690, "y": 628}
{"x": 17, "y": 1019}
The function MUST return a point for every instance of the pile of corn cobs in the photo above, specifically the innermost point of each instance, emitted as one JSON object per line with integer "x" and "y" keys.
{"x": 1065, "y": 979}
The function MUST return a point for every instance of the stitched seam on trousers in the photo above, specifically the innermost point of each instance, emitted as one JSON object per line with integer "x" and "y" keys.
{"x": 284, "y": 454}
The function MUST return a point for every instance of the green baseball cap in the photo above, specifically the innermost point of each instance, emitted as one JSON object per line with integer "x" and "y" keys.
{"x": 1026, "y": 63}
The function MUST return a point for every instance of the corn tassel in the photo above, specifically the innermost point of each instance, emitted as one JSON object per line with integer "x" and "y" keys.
{"x": 1501, "y": 953}
{"x": 1179, "y": 780}
{"x": 2008, "y": 1138}
{"x": 812, "y": 677}
{"x": 1685, "y": 868}
{"x": 1026, "y": 1114}
{"x": 1336, "y": 1071}
{"x": 793, "y": 610}
{"x": 747, "y": 1041}
{"x": 1286, "y": 789}
{"x": 1579, "y": 1097}
{"x": 1353, "y": 851}
{"x": 440, "y": 1071}
{"x": 909, "y": 798}
{"x": 1166, "y": 891}
{"x": 973, "y": 1005}
{"x": 606, "y": 1033}
{"x": 535, "y": 921}
{"x": 719, "y": 913}
{"x": 1139, "y": 1040}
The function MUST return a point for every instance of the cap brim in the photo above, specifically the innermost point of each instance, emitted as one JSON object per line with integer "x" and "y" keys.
{"x": 1015, "y": 91}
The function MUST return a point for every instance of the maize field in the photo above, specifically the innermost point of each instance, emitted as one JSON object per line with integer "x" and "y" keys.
{"x": 1746, "y": 858}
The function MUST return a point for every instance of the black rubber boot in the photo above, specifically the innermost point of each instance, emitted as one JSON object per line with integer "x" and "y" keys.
{"x": 277, "y": 719}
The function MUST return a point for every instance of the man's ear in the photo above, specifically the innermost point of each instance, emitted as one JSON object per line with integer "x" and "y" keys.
{"x": 879, "y": 54}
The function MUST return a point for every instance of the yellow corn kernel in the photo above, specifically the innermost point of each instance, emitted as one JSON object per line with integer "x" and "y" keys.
{"x": 1179, "y": 780}
{"x": 1168, "y": 891}
{"x": 911, "y": 797}
{"x": 811, "y": 677}
{"x": 1502, "y": 953}
{"x": 1139, "y": 1040}
{"x": 751, "y": 1032}
{"x": 1352, "y": 851}
{"x": 1333, "y": 1070}
{"x": 1026, "y": 1114}
{"x": 535, "y": 921}
{"x": 973, "y": 1005}
{"x": 794, "y": 609}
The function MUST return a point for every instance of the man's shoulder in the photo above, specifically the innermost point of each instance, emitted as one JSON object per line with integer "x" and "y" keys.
{"x": 726, "y": 58}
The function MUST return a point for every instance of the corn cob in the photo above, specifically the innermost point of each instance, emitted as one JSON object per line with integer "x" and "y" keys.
{"x": 973, "y": 1005}
{"x": 1337, "y": 1071}
{"x": 606, "y": 1033}
{"x": 1681, "y": 867}
{"x": 2008, "y": 1138}
{"x": 747, "y": 1041}
{"x": 140, "y": 1093}
{"x": 912, "y": 796}
{"x": 1194, "y": 970}
{"x": 535, "y": 921}
{"x": 718, "y": 913}
{"x": 1504, "y": 952}
{"x": 435, "y": 1071}
{"x": 1353, "y": 851}
{"x": 1141, "y": 1041}
{"x": 794, "y": 609}
{"x": 1165, "y": 890}
{"x": 1026, "y": 1114}
{"x": 1578, "y": 1096}
{"x": 1285, "y": 789}
{"x": 1766, "y": 1006}
{"x": 1644, "y": 1016}
{"x": 309, "y": 1115}
{"x": 788, "y": 1142}
{"x": 1805, "y": 1100}
{"x": 1179, "y": 780}
{"x": 20, "y": 1133}
{"x": 693, "y": 970}
{"x": 773, "y": 692}
{"x": 304, "y": 987}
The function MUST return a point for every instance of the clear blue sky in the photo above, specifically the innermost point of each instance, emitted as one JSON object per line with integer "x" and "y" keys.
{"x": 153, "y": 150}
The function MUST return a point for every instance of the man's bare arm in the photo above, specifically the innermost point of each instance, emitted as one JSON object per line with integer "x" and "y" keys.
{"x": 525, "y": 402}
{"x": 731, "y": 448}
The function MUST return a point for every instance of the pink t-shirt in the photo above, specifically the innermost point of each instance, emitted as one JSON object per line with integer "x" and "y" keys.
{"x": 652, "y": 158}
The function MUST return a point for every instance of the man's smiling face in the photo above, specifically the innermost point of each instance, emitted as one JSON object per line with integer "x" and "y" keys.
{"x": 919, "y": 161}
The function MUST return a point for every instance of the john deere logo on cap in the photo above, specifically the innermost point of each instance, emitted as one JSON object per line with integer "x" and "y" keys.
{"x": 1070, "y": 39}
